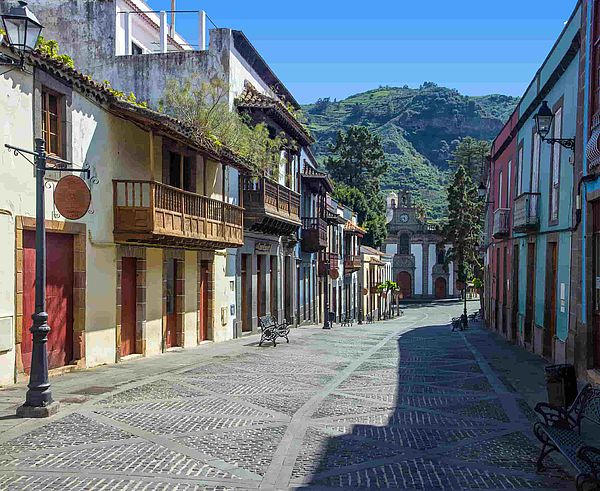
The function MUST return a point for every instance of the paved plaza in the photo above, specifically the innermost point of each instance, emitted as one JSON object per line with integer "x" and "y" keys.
{"x": 402, "y": 404}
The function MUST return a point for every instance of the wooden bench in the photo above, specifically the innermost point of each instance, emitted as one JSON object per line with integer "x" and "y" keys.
{"x": 347, "y": 321}
{"x": 561, "y": 432}
{"x": 271, "y": 330}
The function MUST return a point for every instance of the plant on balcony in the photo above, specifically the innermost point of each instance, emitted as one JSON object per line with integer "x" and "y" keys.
{"x": 49, "y": 47}
{"x": 204, "y": 105}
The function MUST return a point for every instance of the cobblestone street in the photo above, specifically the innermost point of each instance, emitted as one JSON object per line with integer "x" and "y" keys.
{"x": 402, "y": 404}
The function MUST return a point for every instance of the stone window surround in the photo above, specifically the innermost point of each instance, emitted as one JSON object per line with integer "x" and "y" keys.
{"x": 140, "y": 325}
{"x": 78, "y": 231}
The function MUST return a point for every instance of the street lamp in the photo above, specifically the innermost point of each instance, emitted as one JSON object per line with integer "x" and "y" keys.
{"x": 543, "y": 121}
{"x": 482, "y": 190}
{"x": 38, "y": 401}
{"x": 22, "y": 32}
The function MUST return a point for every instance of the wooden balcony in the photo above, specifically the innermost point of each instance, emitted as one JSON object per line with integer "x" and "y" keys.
{"x": 501, "y": 223}
{"x": 526, "y": 216}
{"x": 269, "y": 207}
{"x": 329, "y": 263}
{"x": 314, "y": 234}
{"x": 352, "y": 263}
{"x": 155, "y": 214}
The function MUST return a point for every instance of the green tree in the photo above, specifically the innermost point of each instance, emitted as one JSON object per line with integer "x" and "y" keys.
{"x": 463, "y": 229}
{"x": 357, "y": 158}
{"x": 471, "y": 154}
{"x": 370, "y": 211}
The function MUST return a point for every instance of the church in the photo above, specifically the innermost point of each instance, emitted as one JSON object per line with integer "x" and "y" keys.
{"x": 419, "y": 267}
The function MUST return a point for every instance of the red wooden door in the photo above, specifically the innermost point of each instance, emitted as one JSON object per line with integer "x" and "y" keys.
{"x": 440, "y": 288}
{"x": 59, "y": 297}
{"x": 405, "y": 284}
{"x": 128, "y": 305}
{"x": 260, "y": 286}
{"x": 203, "y": 302}
{"x": 550, "y": 304}
{"x": 173, "y": 290}
{"x": 530, "y": 291}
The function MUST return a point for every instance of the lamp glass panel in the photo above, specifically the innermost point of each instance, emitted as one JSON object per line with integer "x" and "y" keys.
{"x": 16, "y": 30}
{"x": 33, "y": 34}
{"x": 543, "y": 125}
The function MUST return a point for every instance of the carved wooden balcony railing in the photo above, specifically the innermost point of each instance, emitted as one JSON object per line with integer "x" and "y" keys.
{"x": 501, "y": 223}
{"x": 270, "y": 207}
{"x": 153, "y": 213}
{"x": 314, "y": 234}
{"x": 329, "y": 262}
{"x": 352, "y": 263}
{"x": 526, "y": 216}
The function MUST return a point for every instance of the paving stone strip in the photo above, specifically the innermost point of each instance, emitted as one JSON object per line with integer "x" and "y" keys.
{"x": 401, "y": 404}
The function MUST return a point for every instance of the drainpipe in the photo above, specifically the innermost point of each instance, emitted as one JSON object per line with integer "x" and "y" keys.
{"x": 585, "y": 134}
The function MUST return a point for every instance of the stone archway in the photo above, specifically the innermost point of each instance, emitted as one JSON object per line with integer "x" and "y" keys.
{"x": 404, "y": 281}
{"x": 440, "y": 289}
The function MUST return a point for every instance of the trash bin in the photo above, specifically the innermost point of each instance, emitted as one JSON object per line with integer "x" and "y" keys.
{"x": 561, "y": 384}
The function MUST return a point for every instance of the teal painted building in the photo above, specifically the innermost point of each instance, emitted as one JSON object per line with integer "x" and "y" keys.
{"x": 536, "y": 252}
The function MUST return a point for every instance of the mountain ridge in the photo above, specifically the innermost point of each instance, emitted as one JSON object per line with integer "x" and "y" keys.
{"x": 419, "y": 128}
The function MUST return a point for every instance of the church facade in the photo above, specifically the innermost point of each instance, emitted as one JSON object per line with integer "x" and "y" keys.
{"x": 419, "y": 266}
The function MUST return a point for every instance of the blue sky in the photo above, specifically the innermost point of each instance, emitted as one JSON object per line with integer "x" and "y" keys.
{"x": 333, "y": 48}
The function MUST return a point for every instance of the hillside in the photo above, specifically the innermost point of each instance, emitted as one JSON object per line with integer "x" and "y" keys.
{"x": 418, "y": 127}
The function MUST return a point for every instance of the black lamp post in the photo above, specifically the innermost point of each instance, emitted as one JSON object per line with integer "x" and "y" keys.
{"x": 543, "y": 121}
{"x": 38, "y": 401}
{"x": 326, "y": 324}
{"x": 22, "y": 32}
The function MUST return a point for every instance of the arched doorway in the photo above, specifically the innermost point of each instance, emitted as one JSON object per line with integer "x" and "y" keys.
{"x": 405, "y": 284}
{"x": 440, "y": 287}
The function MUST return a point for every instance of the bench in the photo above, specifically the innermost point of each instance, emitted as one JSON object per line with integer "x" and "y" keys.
{"x": 347, "y": 321}
{"x": 457, "y": 323}
{"x": 271, "y": 330}
{"x": 560, "y": 431}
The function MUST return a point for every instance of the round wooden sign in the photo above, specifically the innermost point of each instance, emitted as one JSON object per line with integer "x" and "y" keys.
{"x": 334, "y": 273}
{"x": 72, "y": 197}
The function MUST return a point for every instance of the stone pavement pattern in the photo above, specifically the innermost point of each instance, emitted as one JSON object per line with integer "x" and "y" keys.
{"x": 403, "y": 404}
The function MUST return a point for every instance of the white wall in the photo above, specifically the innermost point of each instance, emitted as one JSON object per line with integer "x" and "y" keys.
{"x": 391, "y": 248}
{"x": 432, "y": 261}
{"x": 17, "y": 192}
{"x": 417, "y": 251}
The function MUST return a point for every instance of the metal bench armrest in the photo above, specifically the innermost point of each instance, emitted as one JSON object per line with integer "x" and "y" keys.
{"x": 555, "y": 415}
{"x": 591, "y": 456}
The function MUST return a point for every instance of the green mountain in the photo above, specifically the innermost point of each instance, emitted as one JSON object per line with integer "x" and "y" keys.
{"x": 419, "y": 128}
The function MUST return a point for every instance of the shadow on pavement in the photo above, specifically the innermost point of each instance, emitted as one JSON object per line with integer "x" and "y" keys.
{"x": 425, "y": 411}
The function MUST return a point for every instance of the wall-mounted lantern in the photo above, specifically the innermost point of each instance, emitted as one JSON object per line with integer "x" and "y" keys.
{"x": 22, "y": 31}
{"x": 543, "y": 121}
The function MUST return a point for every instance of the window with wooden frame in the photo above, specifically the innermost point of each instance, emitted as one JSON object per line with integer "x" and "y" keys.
{"x": 555, "y": 168}
{"x": 519, "y": 185}
{"x": 534, "y": 177}
{"x": 53, "y": 122}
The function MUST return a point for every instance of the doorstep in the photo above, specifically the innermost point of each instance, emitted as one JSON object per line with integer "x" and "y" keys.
{"x": 54, "y": 372}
